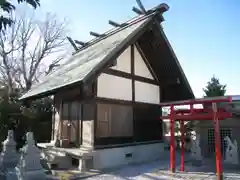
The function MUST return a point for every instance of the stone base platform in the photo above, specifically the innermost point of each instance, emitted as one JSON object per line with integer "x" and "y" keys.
{"x": 102, "y": 158}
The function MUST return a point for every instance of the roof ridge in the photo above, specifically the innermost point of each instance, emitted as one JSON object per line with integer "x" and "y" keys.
{"x": 115, "y": 30}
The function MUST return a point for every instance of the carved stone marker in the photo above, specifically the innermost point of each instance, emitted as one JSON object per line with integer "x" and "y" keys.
{"x": 231, "y": 154}
{"x": 196, "y": 150}
{"x": 9, "y": 156}
{"x": 29, "y": 166}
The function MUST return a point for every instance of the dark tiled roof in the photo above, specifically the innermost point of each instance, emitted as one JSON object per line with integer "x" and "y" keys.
{"x": 89, "y": 58}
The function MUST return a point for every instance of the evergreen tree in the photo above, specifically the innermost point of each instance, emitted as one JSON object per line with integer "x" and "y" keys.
{"x": 214, "y": 88}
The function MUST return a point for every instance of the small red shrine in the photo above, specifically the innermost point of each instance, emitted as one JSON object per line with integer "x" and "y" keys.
{"x": 210, "y": 111}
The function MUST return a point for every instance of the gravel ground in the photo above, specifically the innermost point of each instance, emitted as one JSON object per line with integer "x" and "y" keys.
{"x": 158, "y": 170}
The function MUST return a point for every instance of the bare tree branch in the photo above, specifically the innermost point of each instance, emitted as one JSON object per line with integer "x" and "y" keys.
{"x": 27, "y": 47}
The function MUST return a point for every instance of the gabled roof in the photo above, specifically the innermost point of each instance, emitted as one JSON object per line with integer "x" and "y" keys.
{"x": 90, "y": 58}
{"x": 98, "y": 53}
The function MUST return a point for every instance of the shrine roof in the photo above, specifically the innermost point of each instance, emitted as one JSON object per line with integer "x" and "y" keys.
{"x": 89, "y": 59}
{"x": 96, "y": 55}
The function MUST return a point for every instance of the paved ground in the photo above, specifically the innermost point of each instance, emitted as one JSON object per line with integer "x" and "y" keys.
{"x": 158, "y": 170}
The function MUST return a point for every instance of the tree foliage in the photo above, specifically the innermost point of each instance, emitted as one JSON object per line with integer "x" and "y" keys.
{"x": 14, "y": 115}
{"x": 214, "y": 88}
{"x": 28, "y": 49}
{"x": 8, "y": 7}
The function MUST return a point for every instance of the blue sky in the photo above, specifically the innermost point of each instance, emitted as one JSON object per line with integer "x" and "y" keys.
{"x": 205, "y": 35}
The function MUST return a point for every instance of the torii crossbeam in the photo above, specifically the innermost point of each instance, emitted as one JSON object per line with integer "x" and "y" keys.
{"x": 208, "y": 112}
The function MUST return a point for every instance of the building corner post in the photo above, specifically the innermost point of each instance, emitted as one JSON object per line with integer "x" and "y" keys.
{"x": 172, "y": 140}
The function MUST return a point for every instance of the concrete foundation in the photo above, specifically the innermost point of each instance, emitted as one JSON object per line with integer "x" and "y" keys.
{"x": 105, "y": 158}
{"x": 113, "y": 157}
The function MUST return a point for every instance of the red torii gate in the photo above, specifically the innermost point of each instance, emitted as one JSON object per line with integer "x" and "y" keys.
{"x": 208, "y": 112}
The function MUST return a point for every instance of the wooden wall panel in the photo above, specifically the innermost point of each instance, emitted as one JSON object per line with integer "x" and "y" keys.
{"x": 113, "y": 87}
{"x": 147, "y": 93}
{"x": 141, "y": 68}
{"x": 114, "y": 121}
{"x": 123, "y": 62}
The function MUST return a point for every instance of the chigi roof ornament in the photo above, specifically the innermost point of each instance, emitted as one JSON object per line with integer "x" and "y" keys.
{"x": 115, "y": 24}
{"x": 140, "y": 10}
{"x": 72, "y": 43}
{"x": 96, "y": 34}
{"x": 80, "y": 42}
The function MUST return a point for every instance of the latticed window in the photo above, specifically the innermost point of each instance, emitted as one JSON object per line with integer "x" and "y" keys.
{"x": 211, "y": 140}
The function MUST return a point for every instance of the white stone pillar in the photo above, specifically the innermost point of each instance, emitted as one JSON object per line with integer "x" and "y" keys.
{"x": 29, "y": 166}
{"x": 88, "y": 134}
{"x": 9, "y": 156}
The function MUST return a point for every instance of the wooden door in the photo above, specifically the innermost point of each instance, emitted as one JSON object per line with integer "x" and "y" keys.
{"x": 103, "y": 120}
{"x": 65, "y": 129}
{"x": 74, "y": 120}
{"x": 71, "y": 123}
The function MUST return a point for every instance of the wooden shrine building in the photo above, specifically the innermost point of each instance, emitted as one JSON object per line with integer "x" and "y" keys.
{"x": 107, "y": 95}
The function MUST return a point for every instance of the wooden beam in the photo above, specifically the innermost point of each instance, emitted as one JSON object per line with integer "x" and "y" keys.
{"x": 130, "y": 76}
{"x": 114, "y": 23}
{"x": 80, "y": 42}
{"x": 72, "y": 43}
{"x": 96, "y": 34}
{"x": 132, "y": 54}
{"x": 141, "y": 6}
{"x": 138, "y": 11}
